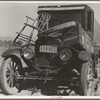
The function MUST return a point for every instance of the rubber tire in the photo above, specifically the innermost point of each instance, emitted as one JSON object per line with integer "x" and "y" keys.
{"x": 83, "y": 80}
{"x": 4, "y": 86}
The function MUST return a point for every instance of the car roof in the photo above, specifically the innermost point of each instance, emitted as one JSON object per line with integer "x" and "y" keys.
{"x": 62, "y": 7}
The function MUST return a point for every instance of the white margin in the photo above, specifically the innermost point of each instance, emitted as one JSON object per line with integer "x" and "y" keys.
{"x": 51, "y": 97}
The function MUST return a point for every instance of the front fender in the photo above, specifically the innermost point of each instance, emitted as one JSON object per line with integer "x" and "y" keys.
{"x": 85, "y": 56}
{"x": 11, "y": 51}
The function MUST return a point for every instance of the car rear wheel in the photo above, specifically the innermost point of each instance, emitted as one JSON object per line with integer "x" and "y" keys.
{"x": 85, "y": 78}
{"x": 8, "y": 75}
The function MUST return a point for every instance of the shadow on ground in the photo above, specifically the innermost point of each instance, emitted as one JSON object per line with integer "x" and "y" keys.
{"x": 47, "y": 89}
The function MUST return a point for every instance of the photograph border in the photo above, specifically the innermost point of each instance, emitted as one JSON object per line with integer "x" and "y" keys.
{"x": 50, "y": 97}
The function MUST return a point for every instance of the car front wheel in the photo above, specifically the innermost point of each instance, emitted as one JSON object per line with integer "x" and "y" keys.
{"x": 8, "y": 76}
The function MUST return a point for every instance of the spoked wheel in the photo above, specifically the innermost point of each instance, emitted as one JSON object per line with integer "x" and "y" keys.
{"x": 8, "y": 76}
{"x": 86, "y": 76}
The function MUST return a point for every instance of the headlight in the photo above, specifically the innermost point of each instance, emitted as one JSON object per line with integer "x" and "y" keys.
{"x": 65, "y": 54}
{"x": 28, "y": 53}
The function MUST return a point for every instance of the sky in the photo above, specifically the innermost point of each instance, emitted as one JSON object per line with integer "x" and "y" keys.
{"x": 12, "y": 15}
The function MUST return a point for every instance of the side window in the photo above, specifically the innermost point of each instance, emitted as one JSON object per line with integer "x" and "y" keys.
{"x": 89, "y": 20}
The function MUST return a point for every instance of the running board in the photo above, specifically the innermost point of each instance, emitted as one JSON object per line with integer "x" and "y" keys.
{"x": 34, "y": 78}
{"x": 30, "y": 77}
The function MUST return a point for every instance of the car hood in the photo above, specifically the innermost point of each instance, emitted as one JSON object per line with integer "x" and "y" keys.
{"x": 57, "y": 28}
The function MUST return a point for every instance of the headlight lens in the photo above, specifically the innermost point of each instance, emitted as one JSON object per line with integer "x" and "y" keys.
{"x": 28, "y": 53}
{"x": 65, "y": 54}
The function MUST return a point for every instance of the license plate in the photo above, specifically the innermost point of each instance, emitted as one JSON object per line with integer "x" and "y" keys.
{"x": 48, "y": 49}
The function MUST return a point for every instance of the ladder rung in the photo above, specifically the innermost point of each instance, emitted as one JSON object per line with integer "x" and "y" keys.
{"x": 30, "y": 18}
{"x": 22, "y": 34}
{"x": 26, "y": 40}
{"x": 22, "y": 39}
{"x": 34, "y": 27}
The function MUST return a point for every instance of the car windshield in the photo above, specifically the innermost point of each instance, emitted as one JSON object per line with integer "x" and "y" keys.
{"x": 59, "y": 17}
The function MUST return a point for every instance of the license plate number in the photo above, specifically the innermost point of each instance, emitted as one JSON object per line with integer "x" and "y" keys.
{"x": 48, "y": 49}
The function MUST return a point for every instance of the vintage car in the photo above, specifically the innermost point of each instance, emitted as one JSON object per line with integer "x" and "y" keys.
{"x": 63, "y": 52}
